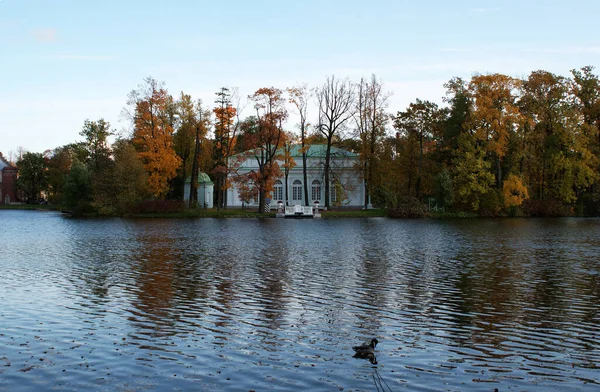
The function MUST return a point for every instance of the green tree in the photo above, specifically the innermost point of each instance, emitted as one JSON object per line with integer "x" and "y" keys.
{"x": 560, "y": 162}
{"x": 96, "y": 134}
{"x": 460, "y": 108}
{"x": 418, "y": 125}
{"x": 98, "y": 158}
{"x": 125, "y": 182}
{"x": 33, "y": 176}
{"x": 585, "y": 88}
{"x": 390, "y": 175}
{"x": 472, "y": 178}
{"x": 78, "y": 188}
{"x": 59, "y": 165}
{"x": 443, "y": 189}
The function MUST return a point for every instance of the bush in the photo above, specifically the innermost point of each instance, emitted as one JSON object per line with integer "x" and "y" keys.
{"x": 589, "y": 204}
{"x": 159, "y": 206}
{"x": 409, "y": 207}
{"x": 546, "y": 208}
{"x": 490, "y": 204}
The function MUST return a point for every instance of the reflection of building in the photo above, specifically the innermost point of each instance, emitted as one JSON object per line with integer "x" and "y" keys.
{"x": 346, "y": 185}
{"x": 8, "y": 182}
{"x": 204, "y": 190}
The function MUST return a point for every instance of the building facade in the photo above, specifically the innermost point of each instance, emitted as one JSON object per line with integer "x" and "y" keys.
{"x": 204, "y": 192}
{"x": 346, "y": 184}
{"x": 8, "y": 182}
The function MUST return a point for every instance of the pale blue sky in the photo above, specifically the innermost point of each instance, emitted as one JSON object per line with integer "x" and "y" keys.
{"x": 64, "y": 61}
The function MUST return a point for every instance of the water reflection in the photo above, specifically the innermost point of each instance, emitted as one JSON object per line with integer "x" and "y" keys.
{"x": 259, "y": 304}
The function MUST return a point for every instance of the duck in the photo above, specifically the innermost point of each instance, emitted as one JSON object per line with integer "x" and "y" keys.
{"x": 366, "y": 350}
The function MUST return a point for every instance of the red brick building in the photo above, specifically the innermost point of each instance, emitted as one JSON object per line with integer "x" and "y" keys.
{"x": 8, "y": 182}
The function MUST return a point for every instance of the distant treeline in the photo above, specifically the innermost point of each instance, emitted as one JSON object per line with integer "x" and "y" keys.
{"x": 499, "y": 146}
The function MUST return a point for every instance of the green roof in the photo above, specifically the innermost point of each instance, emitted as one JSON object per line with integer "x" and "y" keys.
{"x": 315, "y": 151}
{"x": 319, "y": 150}
{"x": 203, "y": 178}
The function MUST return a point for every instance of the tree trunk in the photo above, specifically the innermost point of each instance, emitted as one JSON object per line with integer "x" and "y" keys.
{"x": 286, "y": 186}
{"x": 261, "y": 189}
{"x": 420, "y": 170}
{"x": 327, "y": 167}
{"x": 194, "y": 180}
{"x": 366, "y": 171}
{"x": 499, "y": 175}
{"x": 221, "y": 202}
{"x": 305, "y": 174}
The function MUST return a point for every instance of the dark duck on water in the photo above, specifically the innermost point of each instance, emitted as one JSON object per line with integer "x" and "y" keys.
{"x": 366, "y": 350}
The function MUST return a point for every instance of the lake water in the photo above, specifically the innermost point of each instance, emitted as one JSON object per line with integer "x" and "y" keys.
{"x": 254, "y": 305}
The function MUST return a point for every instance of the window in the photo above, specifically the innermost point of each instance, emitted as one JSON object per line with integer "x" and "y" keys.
{"x": 297, "y": 191}
{"x": 316, "y": 190}
{"x": 334, "y": 191}
{"x": 278, "y": 191}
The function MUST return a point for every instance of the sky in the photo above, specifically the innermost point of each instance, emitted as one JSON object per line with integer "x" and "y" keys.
{"x": 65, "y": 61}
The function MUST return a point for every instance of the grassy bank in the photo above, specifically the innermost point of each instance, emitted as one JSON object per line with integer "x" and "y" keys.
{"x": 212, "y": 213}
{"x": 206, "y": 213}
{"x": 46, "y": 207}
{"x": 238, "y": 213}
{"x": 341, "y": 213}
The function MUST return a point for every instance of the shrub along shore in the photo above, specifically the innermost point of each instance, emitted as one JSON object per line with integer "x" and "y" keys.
{"x": 400, "y": 213}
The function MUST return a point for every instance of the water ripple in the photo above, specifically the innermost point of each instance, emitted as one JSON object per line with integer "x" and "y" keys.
{"x": 274, "y": 304}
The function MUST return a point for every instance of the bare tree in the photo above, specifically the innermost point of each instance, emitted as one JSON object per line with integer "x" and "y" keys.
{"x": 335, "y": 99}
{"x": 370, "y": 120}
{"x": 299, "y": 97}
{"x": 14, "y": 156}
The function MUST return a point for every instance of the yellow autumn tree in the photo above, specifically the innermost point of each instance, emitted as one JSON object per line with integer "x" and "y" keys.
{"x": 153, "y": 135}
{"x": 514, "y": 190}
{"x": 495, "y": 115}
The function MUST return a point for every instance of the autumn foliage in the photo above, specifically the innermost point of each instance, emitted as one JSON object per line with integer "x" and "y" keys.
{"x": 497, "y": 145}
{"x": 153, "y": 138}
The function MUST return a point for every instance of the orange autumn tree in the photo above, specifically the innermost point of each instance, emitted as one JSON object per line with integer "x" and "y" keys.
{"x": 225, "y": 140}
{"x": 514, "y": 190}
{"x": 153, "y": 135}
{"x": 266, "y": 139}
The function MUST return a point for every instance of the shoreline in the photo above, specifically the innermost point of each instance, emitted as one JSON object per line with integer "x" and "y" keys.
{"x": 239, "y": 213}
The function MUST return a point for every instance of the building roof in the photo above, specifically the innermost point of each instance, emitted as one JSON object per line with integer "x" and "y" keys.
{"x": 319, "y": 151}
{"x": 4, "y": 163}
{"x": 203, "y": 178}
{"x": 316, "y": 151}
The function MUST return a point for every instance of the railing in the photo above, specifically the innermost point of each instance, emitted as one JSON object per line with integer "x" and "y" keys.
{"x": 298, "y": 210}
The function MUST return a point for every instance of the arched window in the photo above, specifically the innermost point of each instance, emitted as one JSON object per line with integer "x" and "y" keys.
{"x": 334, "y": 191}
{"x": 278, "y": 191}
{"x": 297, "y": 191}
{"x": 316, "y": 190}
